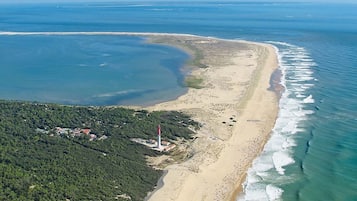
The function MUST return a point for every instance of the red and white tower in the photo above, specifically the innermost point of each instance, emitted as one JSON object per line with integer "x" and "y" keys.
{"x": 159, "y": 137}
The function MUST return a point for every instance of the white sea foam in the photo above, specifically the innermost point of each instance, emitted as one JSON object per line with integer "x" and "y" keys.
{"x": 280, "y": 43}
{"x": 263, "y": 164}
{"x": 103, "y": 64}
{"x": 309, "y": 99}
{"x": 268, "y": 170}
{"x": 299, "y": 95}
{"x": 290, "y": 142}
{"x": 274, "y": 193}
{"x": 309, "y": 112}
{"x": 281, "y": 159}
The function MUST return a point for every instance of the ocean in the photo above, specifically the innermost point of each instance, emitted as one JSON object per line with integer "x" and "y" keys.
{"x": 312, "y": 152}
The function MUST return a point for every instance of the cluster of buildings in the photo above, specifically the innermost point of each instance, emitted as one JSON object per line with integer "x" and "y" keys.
{"x": 74, "y": 132}
{"x": 158, "y": 145}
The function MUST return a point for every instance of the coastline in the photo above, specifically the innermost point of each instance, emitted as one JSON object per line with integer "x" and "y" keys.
{"x": 231, "y": 97}
{"x": 237, "y": 112}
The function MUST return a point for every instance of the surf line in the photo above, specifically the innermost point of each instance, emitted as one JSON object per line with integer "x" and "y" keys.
{"x": 267, "y": 174}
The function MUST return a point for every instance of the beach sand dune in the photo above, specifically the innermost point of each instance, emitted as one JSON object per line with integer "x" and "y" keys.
{"x": 237, "y": 112}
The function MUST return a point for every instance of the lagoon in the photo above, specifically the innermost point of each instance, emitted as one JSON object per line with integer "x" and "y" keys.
{"x": 89, "y": 70}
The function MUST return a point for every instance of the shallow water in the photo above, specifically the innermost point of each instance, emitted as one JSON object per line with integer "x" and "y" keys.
{"x": 89, "y": 70}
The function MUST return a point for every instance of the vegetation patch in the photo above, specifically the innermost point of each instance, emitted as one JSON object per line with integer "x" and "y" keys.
{"x": 185, "y": 45}
{"x": 194, "y": 82}
{"x": 40, "y": 165}
{"x": 197, "y": 57}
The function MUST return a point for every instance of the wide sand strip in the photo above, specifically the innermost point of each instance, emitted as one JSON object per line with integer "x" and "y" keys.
{"x": 237, "y": 112}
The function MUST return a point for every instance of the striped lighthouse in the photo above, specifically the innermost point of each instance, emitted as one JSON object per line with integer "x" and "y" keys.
{"x": 159, "y": 137}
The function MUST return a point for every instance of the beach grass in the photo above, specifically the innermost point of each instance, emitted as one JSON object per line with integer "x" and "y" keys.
{"x": 194, "y": 82}
{"x": 186, "y": 45}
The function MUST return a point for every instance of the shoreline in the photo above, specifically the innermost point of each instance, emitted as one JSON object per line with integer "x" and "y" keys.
{"x": 237, "y": 111}
{"x": 230, "y": 97}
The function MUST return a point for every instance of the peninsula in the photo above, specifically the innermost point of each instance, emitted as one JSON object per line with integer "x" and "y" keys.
{"x": 230, "y": 97}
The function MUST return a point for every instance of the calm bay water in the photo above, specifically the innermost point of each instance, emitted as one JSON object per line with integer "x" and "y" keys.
{"x": 312, "y": 153}
{"x": 89, "y": 70}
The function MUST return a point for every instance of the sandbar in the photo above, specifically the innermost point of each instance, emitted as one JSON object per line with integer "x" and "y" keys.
{"x": 230, "y": 97}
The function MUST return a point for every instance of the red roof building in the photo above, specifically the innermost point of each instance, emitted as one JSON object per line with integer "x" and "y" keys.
{"x": 85, "y": 131}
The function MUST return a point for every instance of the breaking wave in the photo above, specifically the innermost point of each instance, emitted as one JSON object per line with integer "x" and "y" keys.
{"x": 267, "y": 174}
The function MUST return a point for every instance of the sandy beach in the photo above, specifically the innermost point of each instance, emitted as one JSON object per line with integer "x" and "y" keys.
{"x": 232, "y": 101}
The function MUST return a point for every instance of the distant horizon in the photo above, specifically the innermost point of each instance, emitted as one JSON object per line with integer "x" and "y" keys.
{"x": 176, "y": 1}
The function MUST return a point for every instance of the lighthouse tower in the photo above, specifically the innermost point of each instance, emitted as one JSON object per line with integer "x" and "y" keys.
{"x": 159, "y": 137}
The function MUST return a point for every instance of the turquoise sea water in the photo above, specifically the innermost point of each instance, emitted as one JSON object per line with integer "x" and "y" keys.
{"x": 312, "y": 153}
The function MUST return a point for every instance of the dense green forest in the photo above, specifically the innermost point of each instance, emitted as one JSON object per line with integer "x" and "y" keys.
{"x": 38, "y": 166}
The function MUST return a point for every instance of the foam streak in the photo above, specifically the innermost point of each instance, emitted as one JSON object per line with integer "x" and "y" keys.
{"x": 267, "y": 173}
